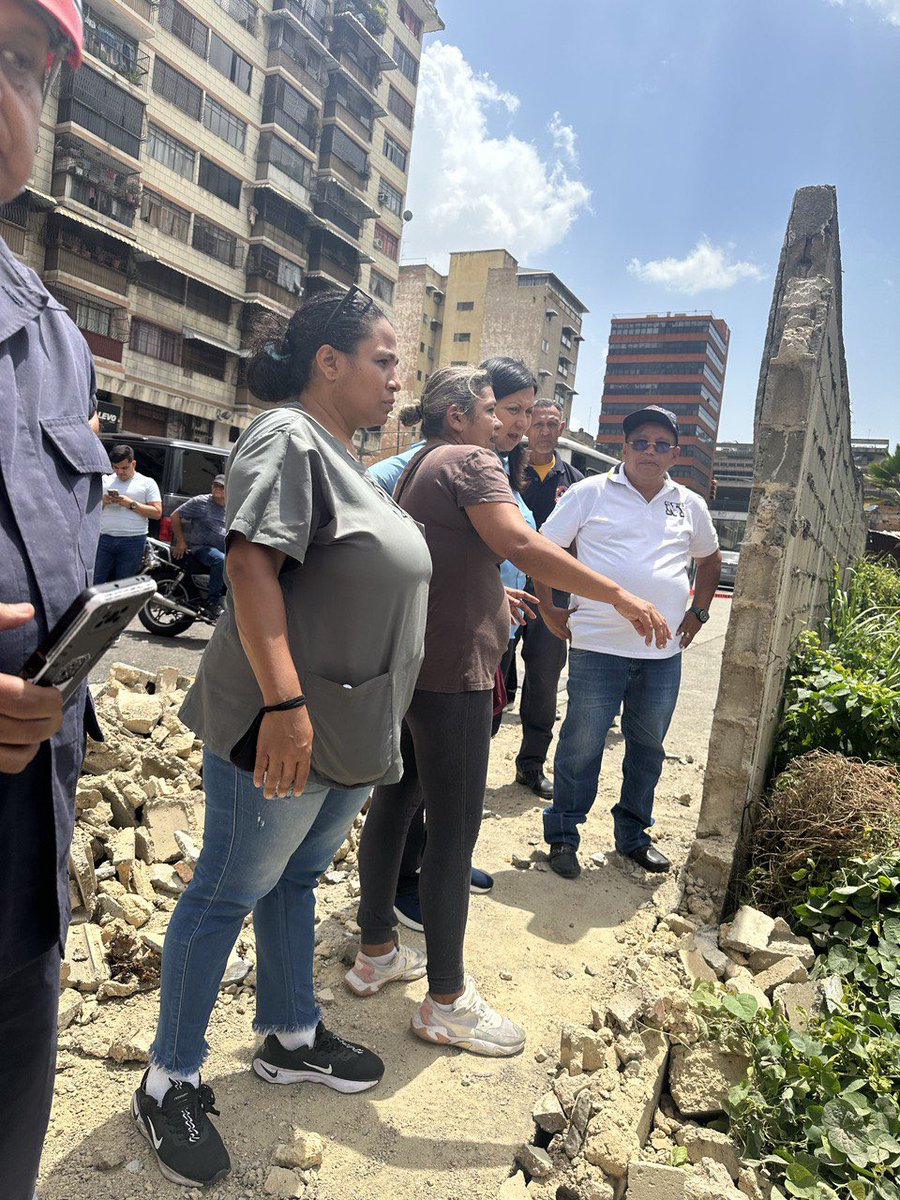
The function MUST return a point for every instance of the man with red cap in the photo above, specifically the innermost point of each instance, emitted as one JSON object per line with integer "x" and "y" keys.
{"x": 51, "y": 465}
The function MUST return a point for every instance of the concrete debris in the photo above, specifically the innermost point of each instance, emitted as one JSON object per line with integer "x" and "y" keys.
{"x": 284, "y": 1184}
{"x": 786, "y": 970}
{"x": 801, "y": 1001}
{"x": 700, "y": 1077}
{"x": 651, "y": 1181}
{"x": 84, "y": 966}
{"x": 71, "y": 1003}
{"x": 514, "y": 1188}
{"x": 548, "y": 1114}
{"x": 750, "y": 930}
{"x": 792, "y": 947}
{"x": 305, "y": 1151}
{"x": 134, "y": 1048}
{"x": 703, "y": 1143}
{"x": 535, "y": 1161}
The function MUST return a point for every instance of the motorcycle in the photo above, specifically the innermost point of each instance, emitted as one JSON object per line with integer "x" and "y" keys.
{"x": 182, "y": 588}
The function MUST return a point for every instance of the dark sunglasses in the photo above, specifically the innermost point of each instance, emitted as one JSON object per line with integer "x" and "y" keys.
{"x": 346, "y": 301}
{"x": 642, "y": 445}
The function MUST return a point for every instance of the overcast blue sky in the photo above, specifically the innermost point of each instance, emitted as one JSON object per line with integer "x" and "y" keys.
{"x": 647, "y": 152}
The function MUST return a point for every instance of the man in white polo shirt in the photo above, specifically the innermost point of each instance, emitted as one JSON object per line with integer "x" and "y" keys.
{"x": 129, "y": 501}
{"x": 640, "y": 528}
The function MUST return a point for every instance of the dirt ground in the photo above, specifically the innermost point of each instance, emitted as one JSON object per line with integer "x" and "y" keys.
{"x": 442, "y": 1125}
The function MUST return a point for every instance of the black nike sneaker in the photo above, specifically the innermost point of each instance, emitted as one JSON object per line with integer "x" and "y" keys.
{"x": 341, "y": 1065}
{"x": 187, "y": 1145}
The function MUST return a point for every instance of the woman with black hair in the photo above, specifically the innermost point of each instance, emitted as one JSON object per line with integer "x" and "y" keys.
{"x": 458, "y": 491}
{"x": 515, "y": 390}
{"x": 298, "y": 700}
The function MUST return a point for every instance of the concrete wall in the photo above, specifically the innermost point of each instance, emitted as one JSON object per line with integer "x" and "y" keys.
{"x": 805, "y": 515}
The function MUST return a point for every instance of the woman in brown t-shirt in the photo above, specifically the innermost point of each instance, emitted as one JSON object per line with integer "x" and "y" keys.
{"x": 457, "y": 489}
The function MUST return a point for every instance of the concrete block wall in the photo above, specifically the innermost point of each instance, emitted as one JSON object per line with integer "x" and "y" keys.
{"x": 806, "y": 515}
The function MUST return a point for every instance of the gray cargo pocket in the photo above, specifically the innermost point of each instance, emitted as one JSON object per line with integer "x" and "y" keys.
{"x": 353, "y": 727}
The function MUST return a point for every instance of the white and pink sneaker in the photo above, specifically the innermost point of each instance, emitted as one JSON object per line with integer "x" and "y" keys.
{"x": 366, "y": 977}
{"x": 469, "y": 1023}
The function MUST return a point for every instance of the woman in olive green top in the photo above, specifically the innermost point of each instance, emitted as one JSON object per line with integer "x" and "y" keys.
{"x": 324, "y": 623}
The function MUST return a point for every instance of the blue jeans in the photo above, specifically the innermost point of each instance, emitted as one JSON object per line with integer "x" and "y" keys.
{"x": 214, "y": 559}
{"x": 118, "y": 557}
{"x": 647, "y": 689}
{"x": 260, "y": 856}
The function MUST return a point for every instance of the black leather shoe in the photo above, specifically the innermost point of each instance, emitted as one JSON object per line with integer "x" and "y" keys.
{"x": 650, "y": 859}
{"x": 537, "y": 782}
{"x": 564, "y": 860}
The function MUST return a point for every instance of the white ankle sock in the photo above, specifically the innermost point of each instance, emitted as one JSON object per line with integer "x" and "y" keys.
{"x": 301, "y": 1037}
{"x": 159, "y": 1081}
{"x": 380, "y": 960}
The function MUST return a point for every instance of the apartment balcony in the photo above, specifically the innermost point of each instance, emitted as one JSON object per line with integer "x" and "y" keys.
{"x": 280, "y": 56}
{"x": 133, "y": 66}
{"x": 103, "y": 346}
{"x": 265, "y": 230}
{"x": 311, "y": 15}
{"x": 338, "y": 217}
{"x": 61, "y": 261}
{"x": 353, "y": 121}
{"x": 95, "y": 180}
{"x": 13, "y": 236}
{"x": 112, "y": 114}
{"x": 134, "y": 17}
{"x": 296, "y": 191}
{"x": 264, "y": 284}
{"x": 334, "y": 258}
{"x": 349, "y": 28}
{"x": 369, "y": 80}
{"x": 357, "y": 180}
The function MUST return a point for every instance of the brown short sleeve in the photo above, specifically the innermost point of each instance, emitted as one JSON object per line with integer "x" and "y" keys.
{"x": 480, "y": 479}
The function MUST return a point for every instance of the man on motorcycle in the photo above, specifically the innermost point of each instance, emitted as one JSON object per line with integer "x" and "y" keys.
{"x": 205, "y": 539}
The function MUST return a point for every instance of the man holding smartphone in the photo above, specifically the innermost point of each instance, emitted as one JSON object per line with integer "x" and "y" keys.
{"x": 130, "y": 501}
{"x": 51, "y": 465}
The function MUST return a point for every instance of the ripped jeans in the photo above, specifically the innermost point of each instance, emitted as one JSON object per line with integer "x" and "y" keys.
{"x": 260, "y": 856}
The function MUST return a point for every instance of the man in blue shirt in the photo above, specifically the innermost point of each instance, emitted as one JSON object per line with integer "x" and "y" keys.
{"x": 51, "y": 465}
{"x": 204, "y": 538}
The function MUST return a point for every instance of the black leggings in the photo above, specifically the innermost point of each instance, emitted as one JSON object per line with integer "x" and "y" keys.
{"x": 451, "y": 743}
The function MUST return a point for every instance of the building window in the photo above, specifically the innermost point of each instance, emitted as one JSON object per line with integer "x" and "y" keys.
{"x": 283, "y": 105}
{"x": 208, "y": 301}
{"x": 229, "y": 63}
{"x": 279, "y": 154}
{"x": 90, "y": 318}
{"x": 220, "y": 182}
{"x": 462, "y": 337}
{"x": 400, "y": 107}
{"x": 242, "y": 11}
{"x": 171, "y": 152}
{"x": 185, "y": 26}
{"x": 409, "y": 19}
{"x": 545, "y": 346}
{"x": 165, "y": 216}
{"x": 207, "y": 360}
{"x": 390, "y": 198}
{"x": 395, "y": 153}
{"x": 419, "y": 376}
{"x": 154, "y": 341}
{"x": 387, "y": 243}
{"x": 162, "y": 280}
{"x": 421, "y": 347}
{"x": 177, "y": 88}
{"x": 218, "y": 243}
{"x": 465, "y": 305}
{"x": 97, "y": 104}
{"x": 272, "y": 266}
{"x": 408, "y": 63}
{"x": 224, "y": 124}
{"x": 381, "y": 287}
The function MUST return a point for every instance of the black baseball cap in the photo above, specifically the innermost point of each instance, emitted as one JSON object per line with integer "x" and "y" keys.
{"x": 659, "y": 416}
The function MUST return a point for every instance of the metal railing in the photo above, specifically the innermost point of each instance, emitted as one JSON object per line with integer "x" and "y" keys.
{"x": 61, "y": 259}
{"x": 131, "y": 64}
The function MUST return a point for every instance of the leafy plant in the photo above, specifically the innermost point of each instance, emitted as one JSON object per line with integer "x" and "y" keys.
{"x": 885, "y": 475}
{"x": 830, "y": 705}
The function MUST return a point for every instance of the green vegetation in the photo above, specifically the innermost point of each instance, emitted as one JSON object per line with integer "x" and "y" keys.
{"x": 885, "y": 475}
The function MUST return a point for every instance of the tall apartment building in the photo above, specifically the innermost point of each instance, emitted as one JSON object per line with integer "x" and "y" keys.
{"x": 485, "y": 305}
{"x": 676, "y": 360}
{"x": 210, "y": 161}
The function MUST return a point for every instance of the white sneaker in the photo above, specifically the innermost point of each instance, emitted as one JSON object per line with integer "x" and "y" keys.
{"x": 365, "y": 977}
{"x": 471, "y": 1024}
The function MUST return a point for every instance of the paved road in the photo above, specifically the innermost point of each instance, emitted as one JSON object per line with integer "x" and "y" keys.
{"x": 141, "y": 649}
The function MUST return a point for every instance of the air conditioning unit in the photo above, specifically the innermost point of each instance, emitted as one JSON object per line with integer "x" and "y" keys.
{"x": 382, "y": 197}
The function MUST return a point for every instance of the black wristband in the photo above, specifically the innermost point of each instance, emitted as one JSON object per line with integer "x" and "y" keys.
{"x": 297, "y": 702}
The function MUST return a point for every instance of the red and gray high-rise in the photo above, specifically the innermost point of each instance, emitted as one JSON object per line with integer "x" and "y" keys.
{"x": 678, "y": 361}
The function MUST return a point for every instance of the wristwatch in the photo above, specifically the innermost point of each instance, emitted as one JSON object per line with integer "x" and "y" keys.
{"x": 133, "y": 506}
{"x": 702, "y": 614}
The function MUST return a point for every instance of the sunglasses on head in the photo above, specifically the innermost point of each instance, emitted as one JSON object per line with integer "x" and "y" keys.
{"x": 346, "y": 301}
{"x": 642, "y": 445}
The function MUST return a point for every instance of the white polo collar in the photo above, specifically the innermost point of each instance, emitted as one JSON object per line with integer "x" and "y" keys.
{"x": 618, "y": 475}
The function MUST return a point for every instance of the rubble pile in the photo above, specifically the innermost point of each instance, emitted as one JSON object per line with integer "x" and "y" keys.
{"x": 138, "y": 831}
{"x": 636, "y": 1088}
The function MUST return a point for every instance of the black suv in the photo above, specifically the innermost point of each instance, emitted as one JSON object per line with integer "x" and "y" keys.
{"x": 182, "y": 469}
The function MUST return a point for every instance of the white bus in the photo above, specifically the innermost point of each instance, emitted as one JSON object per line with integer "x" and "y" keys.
{"x": 584, "y": 458}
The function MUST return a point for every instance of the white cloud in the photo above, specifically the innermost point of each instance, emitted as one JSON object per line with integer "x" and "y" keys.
{"x": 564, "y": 138}
{"x": 888, "y": 9}
{"x": 706, "y": 268}
{"x": 476, "y": 187}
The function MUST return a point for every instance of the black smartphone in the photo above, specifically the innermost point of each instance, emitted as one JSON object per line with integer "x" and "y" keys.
{"x": 85, "y": 631}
